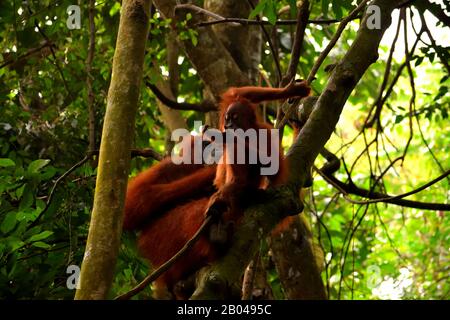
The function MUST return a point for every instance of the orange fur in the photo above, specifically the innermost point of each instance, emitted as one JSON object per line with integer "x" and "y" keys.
{"x": 164, "y": 237}
{"x": 176, "y": 197}
{"x": 163, "y": 185}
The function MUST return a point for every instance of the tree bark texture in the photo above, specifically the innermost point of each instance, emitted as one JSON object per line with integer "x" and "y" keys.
{"x": 114, "y": 160}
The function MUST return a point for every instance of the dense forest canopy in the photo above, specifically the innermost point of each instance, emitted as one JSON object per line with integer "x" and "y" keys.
{"x": 374, "y": 227}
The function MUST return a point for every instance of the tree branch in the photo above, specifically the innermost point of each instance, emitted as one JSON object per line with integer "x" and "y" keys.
{"x": 30, "y": 52}
{"x": 345, "y": 76}
{"x": 322, "y": 57}
{"x": 146, "y": 153}
{"x": 302, "y": 21}
{"x": 197, "y": 9}
{"x": 441, "y": 56}
{"x": 204, "y": 106}
{"x": 350, "y": 188}
{"x": 335, "y": 38}
{"x": 250, "y": 22}
{"x": 435, "y": 9}
{"x": 164, "y": 267}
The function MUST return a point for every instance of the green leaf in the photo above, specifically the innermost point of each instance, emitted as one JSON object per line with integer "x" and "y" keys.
{"x": 9, "y": 222}
{"x": 8, "y": 14}
{"x": 293, "y": 7}
{"x": 27, "y": 37}
{"x": 36, "y": 165}
{"x": 114, "y": 9}
{"x": 444, "y": 78}
{"x": 418, "y": 61}
{"x": 444, "y": 113}
{"x": 14, "y": 243}
{"x": 258, "y": 9}
{"x": 5, "y": 148}
{"x": 442, "y": 92}
{"x": 193, "y": 36}
{"x": 27, "y": 197}
{"x": 337, "y": 10}
{"x": 48, "y": 173}
{"x": 271, "y": 12}
{"x": 5, "y": 162}
{"x": 40, "y": 236}
{"x": 23, "y": 215}
{"x": 40, "y": 244}
{"x": 19, "y": 191}
{"x": 325, "y": 7}
{"x": 194, "y": 41}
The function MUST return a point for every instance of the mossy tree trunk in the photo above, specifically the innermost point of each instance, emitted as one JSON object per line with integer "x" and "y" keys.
{"x": 106, "y": 222}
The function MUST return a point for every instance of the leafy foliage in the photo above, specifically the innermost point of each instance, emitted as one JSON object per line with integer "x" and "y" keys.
{"x": 371, "y": 251}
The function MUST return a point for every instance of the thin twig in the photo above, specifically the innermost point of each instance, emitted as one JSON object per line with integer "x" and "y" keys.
{"x": 52, "y": 192}
{"x": 335, "y": 38}
{"x": 375, "y": 197}
{"x": 249, "y": 278}
{"x": 56, "y": 61}
{"x": 321, "y": 58}
{"x": 147, "y": 153}
{"x": 26, "y": 54}
{"x": 378, "y": 103}
{"x": 428, "y": 146}
{"x": 204, "y": 106}
{"x": 412, "y": 100}
{"x": 302, "y": 20}
{"x": 442, "y": 57}
{"x": 272, "y": 49}
{"x": 250, "y": 22}
{"x": 321, "y": 224}
{"x": 344, "y": 252}
{"x": 193, "y": 7}
{"x": 164, "y": 267}
{"x": 89, "y": 76}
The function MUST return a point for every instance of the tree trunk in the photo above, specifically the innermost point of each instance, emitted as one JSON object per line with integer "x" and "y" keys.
{"x": 244, "y": 43}
{"x": 106, "y": 222}
{"x": 297, "y": 261}
{"x": 213, "y": 63}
